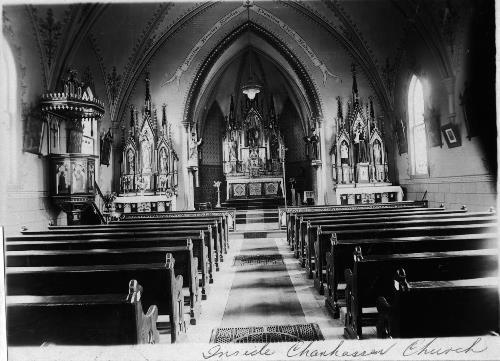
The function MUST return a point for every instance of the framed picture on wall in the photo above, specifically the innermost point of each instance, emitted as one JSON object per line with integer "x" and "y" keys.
{"x": 34, "y": 130}
{"x": 451, "y": 135}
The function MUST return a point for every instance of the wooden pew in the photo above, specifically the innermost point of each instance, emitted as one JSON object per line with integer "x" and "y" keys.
{"x": 222, "y": 228}
{"x": 102, "y": 319}
{"x": 292, "y": 212}
{"x": 307, "y": 225}
{"x": 300, "y": 228}
{"x": 213, "y": 240}
{"x": 137, "y": 233}
{"x": 185, "y": 264}
{"x": 465, "y": 307}
{"x": 163, "y": 287}
{"x": 229, "y": 215}
{"x": 117, "y": 241}
{"x": 373, "y": 277}
{"x": 220, "y": 237}
{"x": 340, "y": 258}
{"x": 369, "y": 230}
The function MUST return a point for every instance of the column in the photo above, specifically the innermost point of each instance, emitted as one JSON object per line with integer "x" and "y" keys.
{"x": 449, "y": 84}
{"x": 321, "y": 171}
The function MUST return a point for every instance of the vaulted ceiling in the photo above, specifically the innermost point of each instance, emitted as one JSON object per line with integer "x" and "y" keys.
{"x": 124, "y": 37}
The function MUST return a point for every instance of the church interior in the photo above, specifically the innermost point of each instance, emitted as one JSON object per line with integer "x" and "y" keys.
{"x": 248, "y": 171}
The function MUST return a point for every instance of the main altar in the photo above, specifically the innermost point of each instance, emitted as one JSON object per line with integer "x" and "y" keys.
{"x": 359, "y": 156}
{"x": 149, "y": 173}
{"x": 253, "y": 150}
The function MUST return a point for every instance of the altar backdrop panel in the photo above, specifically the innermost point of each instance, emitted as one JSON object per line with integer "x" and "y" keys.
{"x": 210, "y": 168}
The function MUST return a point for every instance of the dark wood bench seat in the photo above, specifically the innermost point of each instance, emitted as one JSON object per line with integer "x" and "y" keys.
{"x": 373, "y": 276}
{"x": 212, "y": 240}
{"x": 222, "y": 227}
{"x": 308, "y": 225}
{"x": 346, "y": 217}
{"x": 162, "y": 287}
{"x": 387, "y": 222}
{"x": 296, "y": 219}
{"x": 292, "y": 212}
{"x": 215, "y": 223}
{"x": 443, "y": 308}
{"x": 322, "y": 245}
{"x": 200, "y": 251}
{"x": 185, "y": 263}
{"x": 340, "y": 256}
{"x": 99, "y": 319}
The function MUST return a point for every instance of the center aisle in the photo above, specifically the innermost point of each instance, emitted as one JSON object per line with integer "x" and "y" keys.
{"x": 262, "y": 292}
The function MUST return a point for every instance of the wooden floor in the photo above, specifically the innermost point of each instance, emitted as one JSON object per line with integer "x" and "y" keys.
{"x": 259, "y": 295}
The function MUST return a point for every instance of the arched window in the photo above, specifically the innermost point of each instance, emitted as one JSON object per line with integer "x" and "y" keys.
{"x": 417, "y": 133}
{"x": 9, "y": 123}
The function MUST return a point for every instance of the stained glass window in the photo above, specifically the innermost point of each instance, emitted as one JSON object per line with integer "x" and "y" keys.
{"x": 418, "y": 137}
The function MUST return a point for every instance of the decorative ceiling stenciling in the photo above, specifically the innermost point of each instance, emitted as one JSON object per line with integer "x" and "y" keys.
{"x": 265, "y": 14}
{"x": 113, "y": 82}
{"x": 50, "y": 32}
{"x": 312, "y": 95}
{"x": 197, "y": 47}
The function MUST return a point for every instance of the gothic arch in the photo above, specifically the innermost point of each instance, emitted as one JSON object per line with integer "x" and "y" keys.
{"x": 311, "y": 95}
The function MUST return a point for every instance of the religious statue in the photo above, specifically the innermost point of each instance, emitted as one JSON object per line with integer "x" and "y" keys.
{"x": 62, "y": 185}
{"x": 163, "y": 161}
{"x": 146, "y": 155}
{"x": 275, "y": 144}
{"x": 377, "y": 152}
{"x": 344, "y": 153}
{"x": 233, "y": 151}
{"x": 253, "y": 137}
{"x": 193, "y": 146}
{"x": 131, "y": 161}
{"x": 359, "y": 142}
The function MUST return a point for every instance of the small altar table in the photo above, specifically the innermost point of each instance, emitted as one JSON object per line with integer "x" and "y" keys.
{"x": 367, "y": 193}
{"x": 243, "y": 187}
{"x": 145, "y": 203}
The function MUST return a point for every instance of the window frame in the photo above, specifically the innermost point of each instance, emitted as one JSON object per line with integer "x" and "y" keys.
{"x": 414, "y": 80}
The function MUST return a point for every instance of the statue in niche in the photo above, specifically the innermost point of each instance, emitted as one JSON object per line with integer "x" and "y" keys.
{"x": 163, "y": 161}
{"x": 233, "y": 150}
{"x": 62, "y": 185}
{"x": 146, "y": 155}
{"x": 275, "y": 144}
{"x": 377, "y": 152}
{"x": 344, "y": 153}
{"x": 359, "y": 143}
{"x": 193, "y": 146}
{"x": 130, "y": 161}
{"x": 253, "y": 137}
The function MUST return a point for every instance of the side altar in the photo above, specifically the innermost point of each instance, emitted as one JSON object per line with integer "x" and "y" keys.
{"x": 149, "y": 169}
{"x": 359, "y": 156}
{"x": 253, "y": 151}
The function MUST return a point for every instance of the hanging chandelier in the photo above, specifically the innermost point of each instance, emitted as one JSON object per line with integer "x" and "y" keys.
{"x": 251, "y": 87}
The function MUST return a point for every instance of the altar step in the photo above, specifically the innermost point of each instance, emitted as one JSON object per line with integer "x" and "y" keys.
{"x": 256, "y": 216}
{"x": 254, "y": 203}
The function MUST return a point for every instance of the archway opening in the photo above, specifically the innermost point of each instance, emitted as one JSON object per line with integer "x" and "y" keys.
{"x": 223, "y": 115}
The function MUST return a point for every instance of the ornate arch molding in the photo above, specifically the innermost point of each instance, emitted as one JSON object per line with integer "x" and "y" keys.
{"x": 295, "y": 93}
{"x": 210, "y": 60}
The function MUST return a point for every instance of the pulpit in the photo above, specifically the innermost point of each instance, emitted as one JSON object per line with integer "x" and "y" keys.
{"x": 253, "y": 151}
{"x": 358, "y": 155}
{"x": 72, "y": 165}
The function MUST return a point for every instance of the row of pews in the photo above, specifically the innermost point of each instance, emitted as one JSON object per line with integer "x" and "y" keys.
{"x": 404, "y": 268}
{"x": 108, "y": 284}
